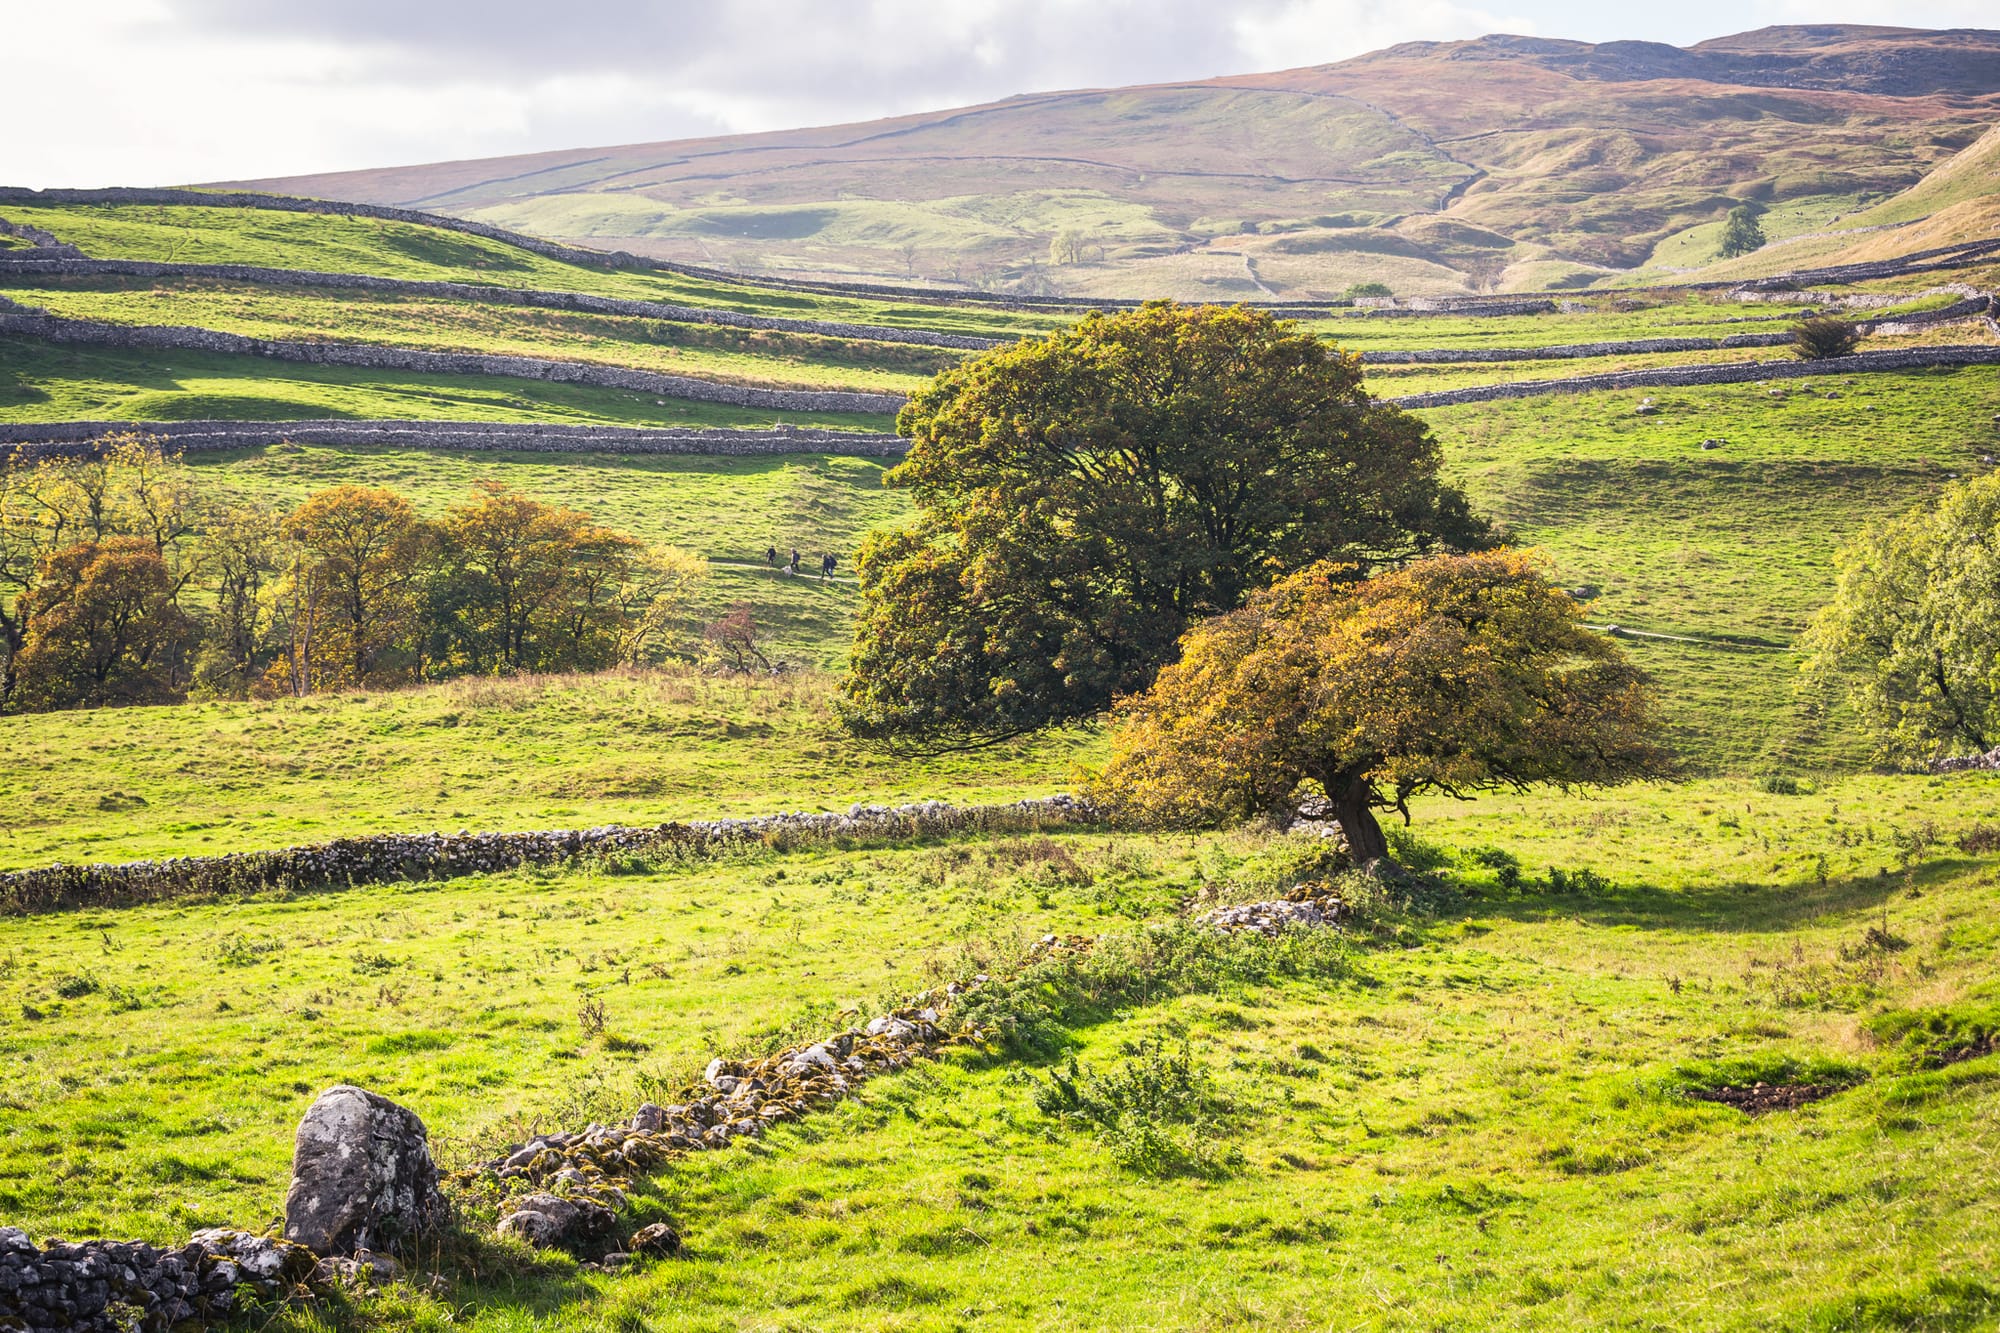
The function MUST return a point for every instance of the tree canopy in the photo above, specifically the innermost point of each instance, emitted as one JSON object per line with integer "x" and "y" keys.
{"x": 1084, "y": 497}
{"x": 1742, "y": 232}
{"x": 1455, "y": 674}
{"x": 1914, "y": 626}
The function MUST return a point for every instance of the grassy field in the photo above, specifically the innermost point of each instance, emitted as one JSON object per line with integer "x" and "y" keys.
{"x": 1473, "y": 1113}
{"x": 331, "y": 243}
{"x": 1472, "y": 1109}
{"x": 745, "y": 356}
{"x": 50, "y": 382}
{"x": 531, "y": 752}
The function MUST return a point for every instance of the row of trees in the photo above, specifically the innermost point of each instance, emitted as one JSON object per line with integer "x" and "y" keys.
{"x": 122, "y": 582}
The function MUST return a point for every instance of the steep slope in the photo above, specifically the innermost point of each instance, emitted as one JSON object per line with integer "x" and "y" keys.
{"x": 1504, "y": 162}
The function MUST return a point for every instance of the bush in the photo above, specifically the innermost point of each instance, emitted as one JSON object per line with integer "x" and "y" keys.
{"x": 1823, "y": 337}
{"x": 1506, "y": 867}
{"x": 1366, "y": 290}
{"x": 1783, "y": 784}
{"x": 1586, "y": 882}
{"x": 1139, "y": 1107}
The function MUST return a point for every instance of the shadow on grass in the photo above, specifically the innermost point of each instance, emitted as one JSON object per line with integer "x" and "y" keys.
{"x": 1737, "y": 907}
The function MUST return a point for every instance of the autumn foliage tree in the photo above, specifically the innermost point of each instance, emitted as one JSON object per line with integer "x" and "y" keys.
{"x": 1084, "y": 497}
{"x": 102, "y": 628}
{"x": 1913, "y": 631}
{"x": 1455, "y": 674}
{"x": 539, "y": 584}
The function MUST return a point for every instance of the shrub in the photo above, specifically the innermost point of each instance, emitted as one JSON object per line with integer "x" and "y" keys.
{"x": 1980, "y": 838}
{"x": 1823, "y": 337}
{"x": 1366, "y": 290}
{"x": 1783, "y": 784}
{"x": 1585, "y": 881}
{"x": 1139, "y": 1107}
{"x": 76, "y": 985}
{"x": 1506, "y": 867}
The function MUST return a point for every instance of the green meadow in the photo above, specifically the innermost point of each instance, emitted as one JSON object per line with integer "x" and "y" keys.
{"x": 1483, "y": 1102}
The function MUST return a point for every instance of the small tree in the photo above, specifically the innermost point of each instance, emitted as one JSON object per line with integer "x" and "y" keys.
{"x": 1913, "y": 631}
{"x": 1456, "y": 674}
{"x": 1742, "y": 232}
{"x": 1068, "y": 246}
{"x": 1823, "y": 337}
{"x": 1362, "y": 291}
{"x": 362, "y": 548}
{"x": 735, "y": 637}
{"x": 537, "y": 584}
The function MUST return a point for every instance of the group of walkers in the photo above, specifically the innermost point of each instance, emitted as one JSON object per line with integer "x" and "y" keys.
{"x": 827, "y": 562}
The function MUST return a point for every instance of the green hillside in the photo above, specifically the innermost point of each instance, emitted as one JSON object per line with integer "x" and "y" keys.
{"x": 1503, "y": 163}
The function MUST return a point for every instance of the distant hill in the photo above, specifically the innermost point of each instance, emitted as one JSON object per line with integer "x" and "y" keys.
{"x": 1502, "y": 163}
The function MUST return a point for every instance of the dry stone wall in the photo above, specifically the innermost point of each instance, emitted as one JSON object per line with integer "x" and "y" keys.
{"x": 42, "y": 266}
{"x": 420, "y": 856}
{"x": 1971, "y": 307}
{"x": 27, "y": 441}
{"x": 365, "y": 356}
{"x": 1914, "y": 358}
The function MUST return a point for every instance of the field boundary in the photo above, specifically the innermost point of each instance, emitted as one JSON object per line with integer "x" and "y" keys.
{"x": 1855, "y": 363}
{"x": 25, "y": 441}
{"x": 24, "y": 322}
{"x": 535, "y": 297}
{"x": 389, "y": 857}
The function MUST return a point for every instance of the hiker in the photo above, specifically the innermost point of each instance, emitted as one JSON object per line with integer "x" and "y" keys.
{"x": 825, "y": 565}
{"x": 771, "y": 557}
{"x": 793, "y": 568}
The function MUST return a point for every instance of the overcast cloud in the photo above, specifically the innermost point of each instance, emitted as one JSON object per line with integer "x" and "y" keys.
{"x": 165, "y": 91}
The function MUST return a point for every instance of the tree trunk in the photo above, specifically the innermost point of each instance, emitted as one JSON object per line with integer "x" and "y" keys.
{"x": 1352, "y": 807}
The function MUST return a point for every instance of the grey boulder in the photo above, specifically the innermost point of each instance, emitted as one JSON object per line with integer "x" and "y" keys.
{"x": 362, "y": 1175}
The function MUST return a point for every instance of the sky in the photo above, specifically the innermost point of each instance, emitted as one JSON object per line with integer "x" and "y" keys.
{"x": 159, "y": 92}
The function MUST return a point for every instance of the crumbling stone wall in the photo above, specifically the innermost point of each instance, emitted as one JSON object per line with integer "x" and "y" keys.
{"x": 407, "y": 856}
{"x": 29, "y": 440}
{"x": 107, "y": 1286}
{"x": 1913, "y": 358}
{"x": 1974, "y": 306}
{"x": 34, "y": 265}
{"x": 370, "y": 357}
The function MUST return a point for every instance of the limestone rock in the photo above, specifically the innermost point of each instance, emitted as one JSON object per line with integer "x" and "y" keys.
{"x": 548, "y": 1221}
{"x": 659, "y": 1240}
{"x": 362, "y": 1175}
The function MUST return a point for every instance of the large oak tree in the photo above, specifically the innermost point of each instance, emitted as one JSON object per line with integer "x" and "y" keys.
{"x": 1084, "y": 497}
{"x": 1455, "y": 674}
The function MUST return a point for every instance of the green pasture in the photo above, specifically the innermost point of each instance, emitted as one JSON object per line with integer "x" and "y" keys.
{"x": 745, "y": 356}
{"x": 333, "y": 243}
{"x": 42, "y": 381}
{"x": 522, "y": 753}
{"x": 1474, "y": 1111}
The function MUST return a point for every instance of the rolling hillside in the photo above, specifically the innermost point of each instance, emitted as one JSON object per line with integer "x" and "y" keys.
{"x": 1503, "y": 163}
